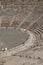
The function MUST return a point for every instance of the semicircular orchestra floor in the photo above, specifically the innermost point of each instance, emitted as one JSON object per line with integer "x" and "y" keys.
{"x": 10, "y": 38}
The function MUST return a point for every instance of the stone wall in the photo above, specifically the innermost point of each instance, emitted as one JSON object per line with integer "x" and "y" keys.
{"x": 5, "y": 3}
{"x": 20, "y": 1}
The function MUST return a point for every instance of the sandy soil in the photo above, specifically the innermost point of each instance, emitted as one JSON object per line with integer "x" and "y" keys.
{"x": 33, "y": 56}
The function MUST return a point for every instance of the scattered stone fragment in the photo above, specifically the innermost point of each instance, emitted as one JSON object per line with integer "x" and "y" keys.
{"x": 30, "y": 57}
{"x": 39, "y": 58}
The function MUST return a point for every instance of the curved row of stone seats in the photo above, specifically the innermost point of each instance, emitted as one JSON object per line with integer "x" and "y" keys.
{"x": 6, "y": 20}
{"x": 18, "y": 20}
{"x": 30, "y": 21}
{"x": 25, "y": 21}
{"x": 24, "y": 25}
{"x": 38, "y": 11}
{"x": 37, "y": 27}
{"x": 33, "y": 17}
{"x": 17, "y": 9}
{"x": 35, "y": 21}
{"x": 37, "y": 24}
{"x": 39, "y": 32}
{"x": 21, "y": 1}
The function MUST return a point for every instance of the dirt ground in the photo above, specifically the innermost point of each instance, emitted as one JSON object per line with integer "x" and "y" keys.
{"x": 33, "y": 56}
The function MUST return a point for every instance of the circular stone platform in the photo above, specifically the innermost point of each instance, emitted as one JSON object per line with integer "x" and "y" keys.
{"x": 10, "y": 38}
